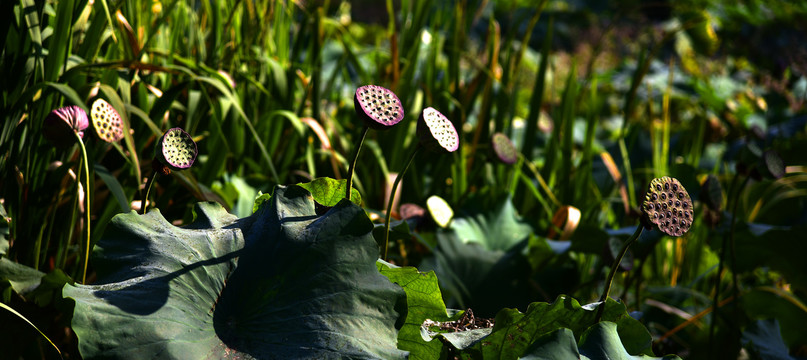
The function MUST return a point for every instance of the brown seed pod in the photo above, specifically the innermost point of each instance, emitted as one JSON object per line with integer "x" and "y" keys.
{"x": 378, "y": 107}
{"x": 106, "y": 120}
{"x": 667, "y": 207}
{"x": 176, "y": 149}
{"x": 62, "y": 122}
{"x": 436, "y": 132}
{"x": 505, "y": 150}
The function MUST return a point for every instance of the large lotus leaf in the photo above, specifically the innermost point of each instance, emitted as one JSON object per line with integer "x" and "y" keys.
{"x": 496, "y": 228}
{"x": 283, "y": 283}
{"x": 515, "y": 331}
{"x": 763, "y": 339}
{"x": 424, "y": 302}
{"x": 485, "y": 280}
{"x": 600, "y": 341}
{"x": 780, "y": 249}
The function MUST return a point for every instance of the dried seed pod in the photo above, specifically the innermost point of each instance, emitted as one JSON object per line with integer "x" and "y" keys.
{"x": 378, "y": 107}
{"x": 176, "y": 149}
{"x": 106, "y": 120}
{"x": 62, "y": 122}
{"x": 505, "y": 150}
{"x": 436, "y": 132}
{"x": 667, "y": 206}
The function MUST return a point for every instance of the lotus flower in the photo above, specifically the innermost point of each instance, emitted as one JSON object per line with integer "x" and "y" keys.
{"x": 436, "y": 132}
{"x": 61, "y": 123}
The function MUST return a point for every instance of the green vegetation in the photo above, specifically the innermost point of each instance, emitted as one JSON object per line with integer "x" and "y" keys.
{"x": 563, "y": 113}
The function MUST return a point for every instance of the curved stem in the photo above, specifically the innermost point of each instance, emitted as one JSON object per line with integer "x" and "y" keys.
{"x": 86, "y": 208}
{"x": 614, "y": 267}
{"x": 392, "y": 199}
{"x": 148, "y": 190}
{"x": 353, "y": 163}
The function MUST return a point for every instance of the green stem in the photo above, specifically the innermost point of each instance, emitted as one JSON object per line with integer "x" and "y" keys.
{"x": 11, "y": 310}
{"x": 87, "y": 208}
{"x": 392, "y": 199}
{"x": 353, "y": 163}
{"x": 728, "y": 240}
{"x": 614, "y": 267}
{"x": 148, "y": 190}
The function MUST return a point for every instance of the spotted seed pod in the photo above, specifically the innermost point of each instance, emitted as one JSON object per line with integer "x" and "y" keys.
{"x": 378, "y": 107}
{"x": 505, "y": 150}
{"x": 62, "y": 122}
{"x": 176, "y": 149}
{"x": 667, "y": 207}
{"x": 436, "y": 132}
{"x": 106, "y": 120}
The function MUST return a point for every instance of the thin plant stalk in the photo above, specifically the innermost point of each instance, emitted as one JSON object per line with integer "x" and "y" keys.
{"x": 87, "y": 207}
{"x": 148, "y": 190}
{"x": 353, "y": 163}
{"x": 392, "y": 199}
{"x": 11, "y": 310}
{"x": 614, "y": 267}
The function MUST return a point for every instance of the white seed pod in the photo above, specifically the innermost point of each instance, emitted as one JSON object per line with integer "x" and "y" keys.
{"x": 436, "y": 132}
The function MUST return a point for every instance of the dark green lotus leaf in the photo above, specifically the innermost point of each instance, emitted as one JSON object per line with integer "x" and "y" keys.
{"x": 780, "y": 249}
{"x": 763, "y": 339}
{"x": 424, "y": 301}
{"x": 283, "y": 283}
{"x": 497, "y": 227}
{"x": 23, "y": 279}
{"x": 514, "y": 331}
{"x": 604, "y": 341}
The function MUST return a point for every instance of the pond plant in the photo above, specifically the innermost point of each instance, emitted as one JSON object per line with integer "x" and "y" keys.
{"x": 175, "y": 150}
{"x": 61, "y": 128}
{"x": 435, "y": 133}
{"x": 378, "y": 108}
{"x": 667, "y": 207}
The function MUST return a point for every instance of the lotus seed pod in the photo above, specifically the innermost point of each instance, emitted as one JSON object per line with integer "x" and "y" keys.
{"x": 772, "y": 165}
{"x": 378, "y": 107}
{"x": 436, "y": 132}
{"x": 61, "y": 123}
{"x": 505, "y": 150}
{"x": 667, "y": 206}
{"x": 176, "y": 149}
{"x": 106, "y": 120}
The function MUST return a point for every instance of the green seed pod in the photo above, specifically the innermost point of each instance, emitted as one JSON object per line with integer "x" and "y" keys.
{"x": 436, "y": 132}
{"x": 176, "y": 149}
{"x": 504, "y": 149}
{"x": 106, "y": 120}
{"x": 378, "y": 107}
{"x": 62, "y": 122}
{"x": 667, "y": 207}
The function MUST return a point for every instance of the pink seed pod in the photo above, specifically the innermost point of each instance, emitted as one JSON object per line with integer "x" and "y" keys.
{"x": 504, "y": 149}
{"x": 378, "y": 107}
